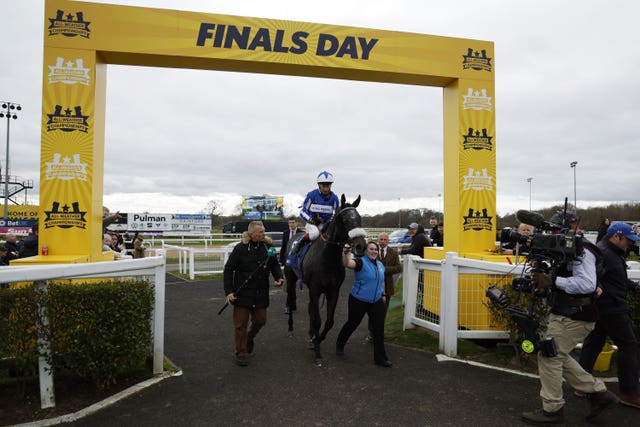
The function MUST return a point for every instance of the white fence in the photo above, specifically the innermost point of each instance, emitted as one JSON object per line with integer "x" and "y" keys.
{"x": 199, "y": 261}
{"x": 447, "y": 296}
{"x": 153, "y": 268}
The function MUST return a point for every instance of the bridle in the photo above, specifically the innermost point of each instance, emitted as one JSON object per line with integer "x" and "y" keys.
{"x": 352, "y": 234}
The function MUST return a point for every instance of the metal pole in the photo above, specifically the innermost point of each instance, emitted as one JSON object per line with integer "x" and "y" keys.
{"x": 399, "y": 222}
{"x": 529, "y": 181}
{"x": 6, "y": 175}
{"x": 575, "y": 198}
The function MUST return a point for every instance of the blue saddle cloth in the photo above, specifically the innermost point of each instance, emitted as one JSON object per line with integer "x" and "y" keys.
{"x": 295, "y": 261}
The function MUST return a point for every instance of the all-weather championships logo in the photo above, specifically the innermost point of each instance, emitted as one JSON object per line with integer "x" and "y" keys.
{"x": 477, "y": 140}
{"x": 65, "y": 216}
{"x": 477, "y": 220}
{"x": 67, "y": 122}
{"x": 68, "y": 26}
{"x": 476, "y": 60}
{"x": 478, "y": 181}
{"x": 64, "y": 169}
{"x": 476, "y": 100}
{"x": 69, "y": 72}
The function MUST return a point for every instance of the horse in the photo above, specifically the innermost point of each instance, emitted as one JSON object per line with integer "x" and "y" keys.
{"x": 323, "y": 271}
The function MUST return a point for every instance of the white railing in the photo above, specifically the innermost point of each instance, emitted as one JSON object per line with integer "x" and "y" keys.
{"x": 153, "y": 267}
{"x": 199, "y": 261}
{"x": 460, "y": 311}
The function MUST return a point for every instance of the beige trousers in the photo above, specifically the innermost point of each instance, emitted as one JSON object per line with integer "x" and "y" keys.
{"x": 566, "y": 333}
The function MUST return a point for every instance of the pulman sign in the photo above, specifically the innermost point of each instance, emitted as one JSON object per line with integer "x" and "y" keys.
{"x": 81, "y": 38}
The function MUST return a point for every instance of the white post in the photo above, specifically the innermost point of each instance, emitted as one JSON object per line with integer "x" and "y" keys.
{"x": 410, "y": 277}
{"x": 448, "y": 339}
{"x": 158, "y": 316}
{"x": 45, "y": 373}
{"x": 192, "y": 264}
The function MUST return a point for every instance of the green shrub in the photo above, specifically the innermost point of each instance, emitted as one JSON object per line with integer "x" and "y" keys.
{"x": 18, "y": 320}
{"x": 97, "y": 330}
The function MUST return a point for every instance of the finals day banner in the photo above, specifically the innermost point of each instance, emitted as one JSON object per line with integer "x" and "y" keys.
{"x": 81, "y": 38}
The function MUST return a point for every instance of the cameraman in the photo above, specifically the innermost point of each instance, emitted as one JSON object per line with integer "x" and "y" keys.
{"x": 572, "y": 316}
{"x": 615, "y": 317}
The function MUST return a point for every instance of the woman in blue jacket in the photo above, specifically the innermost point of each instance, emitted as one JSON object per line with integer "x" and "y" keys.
{"x": 367, "y": 296}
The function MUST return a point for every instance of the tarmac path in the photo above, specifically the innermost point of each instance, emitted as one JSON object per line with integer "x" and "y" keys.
{"x": 283, "y": 387}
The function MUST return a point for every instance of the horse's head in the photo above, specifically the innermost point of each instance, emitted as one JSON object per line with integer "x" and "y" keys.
{"x": 348, "y": 219}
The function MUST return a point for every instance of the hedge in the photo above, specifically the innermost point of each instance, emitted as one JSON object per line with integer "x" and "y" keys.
{"x": 98, "y": 331}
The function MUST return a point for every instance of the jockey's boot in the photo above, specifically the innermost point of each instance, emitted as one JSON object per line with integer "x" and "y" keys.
{"x": 300, "y": 243}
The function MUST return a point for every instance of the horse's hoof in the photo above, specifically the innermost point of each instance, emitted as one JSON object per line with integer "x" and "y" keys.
{"x": 318, "y": 363}
{"x": 290, "y": 334}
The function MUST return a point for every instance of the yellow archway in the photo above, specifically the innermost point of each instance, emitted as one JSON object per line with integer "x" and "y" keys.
{"x": 80, "y": 39}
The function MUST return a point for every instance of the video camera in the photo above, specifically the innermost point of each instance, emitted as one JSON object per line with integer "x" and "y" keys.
{"x": 554, "y": 241}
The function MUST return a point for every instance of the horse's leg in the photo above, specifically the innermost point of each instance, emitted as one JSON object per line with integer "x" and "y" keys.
{"x": 314, "y": 324}
{"x": 332, "y": 301}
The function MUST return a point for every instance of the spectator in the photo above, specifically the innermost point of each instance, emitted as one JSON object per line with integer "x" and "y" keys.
{"x": 318, "y": 208}
{"x": 602, "y": 229}
{"x": 108, "y": 219}
{"x": 511, "y": 248}
{"x": 107, "y": 246}
{"x": 138, "y": 245}
{"x": 572, "y": 315}
{"x": 247, "y": 287}
{"x": 367, "y": 297}
{"x": 11, "y": 244}
{"x": 615, "y": 314}
{"x": 418, "y": 241}
{"x": 439, "y": 241}
{"x": 434, "y": 234}
{"x": 29, "y": 245}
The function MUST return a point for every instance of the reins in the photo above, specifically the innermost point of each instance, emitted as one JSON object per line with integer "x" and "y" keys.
{"x": 331, "y": 242}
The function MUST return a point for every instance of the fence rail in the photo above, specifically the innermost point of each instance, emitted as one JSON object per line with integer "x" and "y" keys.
{"x": 152, "y": 267}
{"x": 447, "y": 296}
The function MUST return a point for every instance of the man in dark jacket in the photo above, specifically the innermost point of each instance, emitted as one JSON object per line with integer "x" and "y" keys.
{"x": 615, "y": 314}
{"x": 246, "y": 284}
{"x": 12, "y": 248}
{"x": 287, "y": 236}
{"x": 418, "y": 241}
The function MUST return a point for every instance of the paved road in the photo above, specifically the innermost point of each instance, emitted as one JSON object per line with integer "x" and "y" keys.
{"x": 282, "y": 387}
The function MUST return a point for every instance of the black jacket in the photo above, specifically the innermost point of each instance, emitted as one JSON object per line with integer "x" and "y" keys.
{"x": 418, "y": 242}
{"x": 615, "y": 283}
{"x": 250, "y": 261}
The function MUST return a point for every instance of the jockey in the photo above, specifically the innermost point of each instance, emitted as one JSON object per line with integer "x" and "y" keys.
{"x": 318, "y": 207}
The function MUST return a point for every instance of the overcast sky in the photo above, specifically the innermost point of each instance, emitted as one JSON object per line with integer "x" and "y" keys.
{"x": 567, "y": 89}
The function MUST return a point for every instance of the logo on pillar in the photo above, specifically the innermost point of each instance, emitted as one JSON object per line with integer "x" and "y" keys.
{"x": 476, "y": 60}
{"x": 476, "y": 100}
{"x": 477, "y": 140}
{"x": 65, "y": 169}
{"x": 69, "y": 72}
{"x": 477, "y": 181}
{"x": 69, "y": 25}
{"x": 477, "y": 221}
{"x": 71, "y": 120}
{"x": 65, "y": 216}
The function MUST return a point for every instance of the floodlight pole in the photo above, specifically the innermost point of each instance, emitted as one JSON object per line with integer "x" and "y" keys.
{"x": 529, "y": 181}
{"x": 575, "y": 199}
{"x": 9, "y": 110}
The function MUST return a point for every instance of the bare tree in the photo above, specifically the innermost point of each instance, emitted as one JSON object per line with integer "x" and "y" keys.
{"x": 213, "y": 208}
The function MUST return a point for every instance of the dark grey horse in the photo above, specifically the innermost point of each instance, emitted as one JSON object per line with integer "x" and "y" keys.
{"x": 323, "y": 272}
